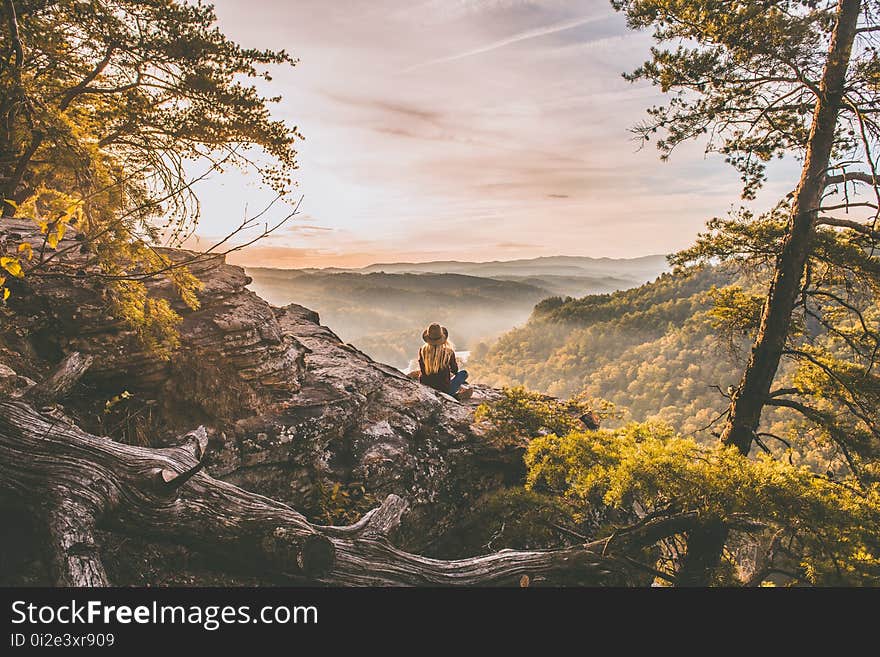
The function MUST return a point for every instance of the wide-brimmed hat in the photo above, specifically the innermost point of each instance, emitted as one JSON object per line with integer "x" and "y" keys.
{"x": 435, "y": 334}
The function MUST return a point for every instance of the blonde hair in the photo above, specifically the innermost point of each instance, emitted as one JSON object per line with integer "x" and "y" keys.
{"x": 436, "y": 357}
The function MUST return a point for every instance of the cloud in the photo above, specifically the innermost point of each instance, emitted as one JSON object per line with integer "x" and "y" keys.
{"x": 514, "y": 245}
{"x": 287, "y": 257}
{"x": 516, "y": 38}
{"x": 406, "y": 133}
{"x": 401, "y": 109}
{"x": 307, "y": 228}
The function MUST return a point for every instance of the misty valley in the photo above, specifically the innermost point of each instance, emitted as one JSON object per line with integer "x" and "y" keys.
{"x": 382, "y": 309}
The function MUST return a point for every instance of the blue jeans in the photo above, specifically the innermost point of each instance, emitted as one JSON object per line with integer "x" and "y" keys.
{"x": 457, "y": 381}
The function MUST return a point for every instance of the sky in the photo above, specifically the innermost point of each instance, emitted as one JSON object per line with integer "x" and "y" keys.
{"x": 465, "y": 129}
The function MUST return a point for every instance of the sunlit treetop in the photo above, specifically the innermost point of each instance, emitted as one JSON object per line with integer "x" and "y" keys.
{"x": 112, "y": 109}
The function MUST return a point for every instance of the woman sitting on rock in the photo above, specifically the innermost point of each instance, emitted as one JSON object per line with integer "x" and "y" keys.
{"x": 437, "y": 365}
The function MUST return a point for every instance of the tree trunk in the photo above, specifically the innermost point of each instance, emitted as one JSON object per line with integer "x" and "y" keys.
{"x": 705, "y": 546}
{"x": 748, "y": 400}
{"x": 74, "y": 482}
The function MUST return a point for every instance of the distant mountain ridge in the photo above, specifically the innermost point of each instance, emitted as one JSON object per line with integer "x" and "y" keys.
{"x": 642, "y": 267}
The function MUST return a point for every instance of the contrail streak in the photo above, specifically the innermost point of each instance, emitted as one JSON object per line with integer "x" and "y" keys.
{"x": 516, "y": 38}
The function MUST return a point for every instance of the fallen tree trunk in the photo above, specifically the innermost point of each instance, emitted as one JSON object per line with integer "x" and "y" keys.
{"x": 377, "y": 563}
{"x": 364, "y": 557}
{"x": 52, "y": 468}
{"x": 75, "y": 481}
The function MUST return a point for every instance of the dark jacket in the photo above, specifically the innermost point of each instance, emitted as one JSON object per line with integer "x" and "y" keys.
{"x": 440, "y": 380}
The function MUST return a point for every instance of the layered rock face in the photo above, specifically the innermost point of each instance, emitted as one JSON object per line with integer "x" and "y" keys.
{"x": 293, "y": 413}
{"x": 233, "y": 331}
{"x": 357, "y": 430}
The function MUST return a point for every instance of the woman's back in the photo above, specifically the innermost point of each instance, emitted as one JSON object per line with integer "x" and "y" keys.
{"x": 437, "y": 364}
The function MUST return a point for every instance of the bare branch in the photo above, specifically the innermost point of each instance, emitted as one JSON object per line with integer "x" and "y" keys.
{"x": 20, "y": 170}
{"x": 838, "y": 436}
{"x": 170, "y": 480}
{"x": 848, "y": 223}
{"x": 81, "y": 87}
{"x": 784, "y": 391}
{"x": 847, "y": 206}
{"x": 852, "y": 176}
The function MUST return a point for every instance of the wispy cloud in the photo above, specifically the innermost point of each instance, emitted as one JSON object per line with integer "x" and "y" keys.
{"x": 400, "y": 109}
{"x": 307, "y": 228}
{"x": 516, "y": 38}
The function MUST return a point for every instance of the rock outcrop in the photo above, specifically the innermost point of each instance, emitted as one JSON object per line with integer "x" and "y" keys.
{"x": 292, "y": 412}
{"x": 357, "y": 430}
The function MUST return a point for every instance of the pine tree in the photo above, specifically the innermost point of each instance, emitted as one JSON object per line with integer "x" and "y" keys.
{"x": 769, "y": 79}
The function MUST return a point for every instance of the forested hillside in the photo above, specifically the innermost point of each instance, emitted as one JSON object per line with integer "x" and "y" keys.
{"x": 651, "y": 350}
